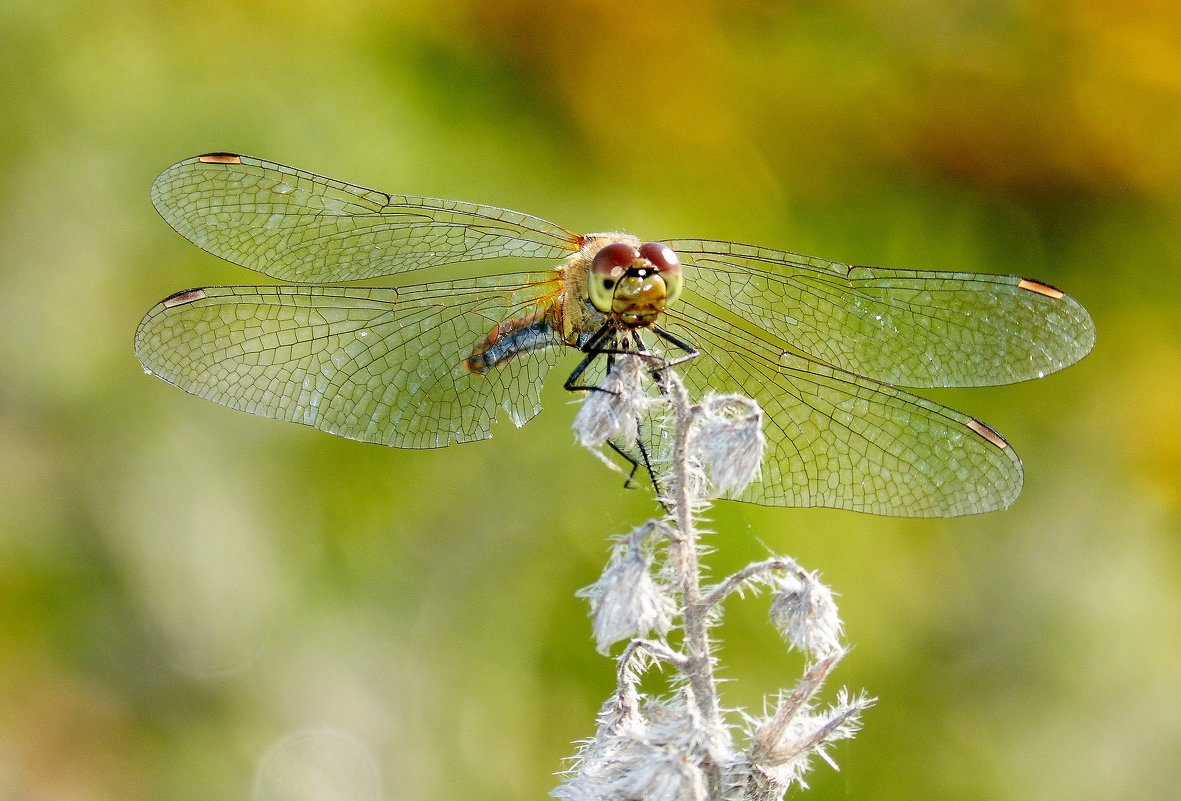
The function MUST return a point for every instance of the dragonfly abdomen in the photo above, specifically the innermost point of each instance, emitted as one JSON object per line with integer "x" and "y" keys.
{"x": 508, "y": 340}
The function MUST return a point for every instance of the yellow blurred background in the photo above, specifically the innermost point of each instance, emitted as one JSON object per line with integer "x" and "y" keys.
{"x": 200, "y": 604}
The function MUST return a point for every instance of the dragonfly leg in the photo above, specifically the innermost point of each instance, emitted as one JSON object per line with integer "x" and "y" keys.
{"x": 659, "y": 362}
{"x": 604, "y": 343}
{"x": 690, "y": 350}
{"x": 635, "y": 463}
{"x": 631, "y": 460}
{"x": 593, "y": 349}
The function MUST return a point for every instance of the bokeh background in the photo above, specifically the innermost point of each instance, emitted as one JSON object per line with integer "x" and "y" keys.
{"x": 200, "y": 604}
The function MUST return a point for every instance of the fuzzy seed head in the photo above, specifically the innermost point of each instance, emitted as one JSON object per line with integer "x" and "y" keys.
{"x": 804, "y": 611}
{"x": 626, "y": 601}
{"x": 614, "y": 411}
{"x": 657, "y": 757}
{"x": 730, "y": 442}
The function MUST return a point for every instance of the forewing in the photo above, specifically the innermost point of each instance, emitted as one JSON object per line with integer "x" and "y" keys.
{"x": 906, "y": 327}
{"x": 839, "y": 440}
{"x": 378, "y": 365}
{"x": 302, "y": 227}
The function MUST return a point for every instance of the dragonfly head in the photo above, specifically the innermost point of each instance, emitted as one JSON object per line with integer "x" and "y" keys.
{"x": 632, "y": 284}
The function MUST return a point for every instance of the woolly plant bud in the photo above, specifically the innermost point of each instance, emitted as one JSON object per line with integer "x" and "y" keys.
{"x": 614, "y": 410}
{"x": 626, "y": 601}
{"x": 805, "y": 613}
{"x": 730, "y": 441}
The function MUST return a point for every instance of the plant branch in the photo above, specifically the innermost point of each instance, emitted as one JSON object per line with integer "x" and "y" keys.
{"x": 733, "y": 582}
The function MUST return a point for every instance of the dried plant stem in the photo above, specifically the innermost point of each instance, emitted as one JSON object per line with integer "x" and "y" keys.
{"x": 774, "y": 731}
{"x": 679, "y": 747}
{"x": 683, "y": 550}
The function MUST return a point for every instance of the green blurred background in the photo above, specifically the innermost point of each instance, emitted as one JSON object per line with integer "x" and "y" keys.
{"x": 200, "y": 604}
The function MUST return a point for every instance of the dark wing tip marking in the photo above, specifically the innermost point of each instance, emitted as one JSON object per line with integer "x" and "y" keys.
{"x": 988, "y": 433}
{"x": 182, "y": 297}
{"x": 1041, "y": 289}
{"x": 220, "y": 158}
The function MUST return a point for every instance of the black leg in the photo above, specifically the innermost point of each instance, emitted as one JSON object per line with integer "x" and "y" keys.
{"x": 635, "y": 463}
{"x": 627, "y": 457}
{"x": 606, "y": 342}
{"x": 659, "y": 363}
{"x": 612, "y": 341}
{"x": 691, "y": 351}
{"x": 593, "y": 348}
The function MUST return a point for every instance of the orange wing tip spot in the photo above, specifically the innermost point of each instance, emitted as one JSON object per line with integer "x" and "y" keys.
{"x": 1040, "y": 288}
{"x": 220, "y": 158}
{"x": 181, "y": 298}
{"x": 988, "y": 434}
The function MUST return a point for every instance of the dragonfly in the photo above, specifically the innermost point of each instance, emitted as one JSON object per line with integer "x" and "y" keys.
{"x": 824, "y": 347}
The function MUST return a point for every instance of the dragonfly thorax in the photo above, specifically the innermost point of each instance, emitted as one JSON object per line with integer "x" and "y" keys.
{"x": 634, "y": 284}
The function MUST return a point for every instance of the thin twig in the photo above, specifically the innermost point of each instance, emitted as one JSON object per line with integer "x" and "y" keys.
{"x": 733, "y": 582}
{"x": 658, "y": 650}
{"x": 771, "y": 734}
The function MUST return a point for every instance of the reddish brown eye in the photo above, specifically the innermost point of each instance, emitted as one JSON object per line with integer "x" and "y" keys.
{"x": 613, "y": 259}
{"x": 662, "y": 257}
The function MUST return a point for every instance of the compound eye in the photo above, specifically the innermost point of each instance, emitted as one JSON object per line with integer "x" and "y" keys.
{"x": 609, "y": 265}
{"x": 661, "y": 256}
{"x": 613, "y": 259}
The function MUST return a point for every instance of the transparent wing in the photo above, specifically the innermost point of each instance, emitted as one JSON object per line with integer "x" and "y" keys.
{"x": 839, "y": 440}
{"x": 904, "y": 327}
{"x": 302, "y": 227}
{"x": 379, "y": 365}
